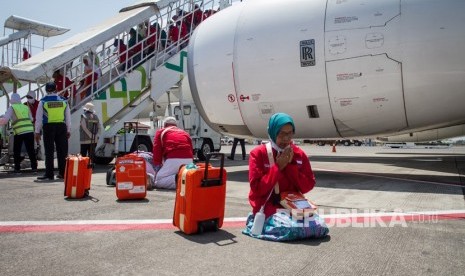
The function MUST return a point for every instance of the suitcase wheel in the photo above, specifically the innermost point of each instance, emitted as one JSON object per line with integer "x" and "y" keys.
{"x": 207, "y": 225}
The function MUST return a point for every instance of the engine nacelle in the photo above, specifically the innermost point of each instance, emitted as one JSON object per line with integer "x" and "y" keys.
{"x": 339, "y": 68}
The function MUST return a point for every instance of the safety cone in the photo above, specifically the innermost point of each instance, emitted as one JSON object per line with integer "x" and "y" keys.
{"x": 334, "y": 148}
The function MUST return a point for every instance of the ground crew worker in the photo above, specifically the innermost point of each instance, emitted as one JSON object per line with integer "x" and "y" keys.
{"x": 129, "y": 129}
{"x": 233, "y": 149}
{"x": 89, "y": 131}
{"x": 21, "y": 122}
{"x": 54, "y": 119}
{"x": 172, "y": 147}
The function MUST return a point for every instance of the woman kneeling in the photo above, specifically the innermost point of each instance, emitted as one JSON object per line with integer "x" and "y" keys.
{"x": 277, "y": 169}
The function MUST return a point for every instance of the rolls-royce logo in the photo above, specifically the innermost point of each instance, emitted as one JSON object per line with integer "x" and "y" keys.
{"x": 307, "y": 53}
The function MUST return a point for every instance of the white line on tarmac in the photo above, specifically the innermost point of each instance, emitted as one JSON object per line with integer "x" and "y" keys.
{"x": 344, "y": 214}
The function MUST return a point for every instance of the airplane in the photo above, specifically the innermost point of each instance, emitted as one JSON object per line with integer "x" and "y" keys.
{"x": 340, "y": 68}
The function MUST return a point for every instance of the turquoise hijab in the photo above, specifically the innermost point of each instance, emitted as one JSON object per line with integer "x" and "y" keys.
{"x": 277, "y": 121}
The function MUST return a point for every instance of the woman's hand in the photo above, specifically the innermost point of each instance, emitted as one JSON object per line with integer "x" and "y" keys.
{"x": 284, "y": 158}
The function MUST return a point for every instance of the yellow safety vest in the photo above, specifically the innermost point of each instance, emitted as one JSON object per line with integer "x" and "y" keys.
{"x": 23, "y": 123}
{"x": 55, "y": 111}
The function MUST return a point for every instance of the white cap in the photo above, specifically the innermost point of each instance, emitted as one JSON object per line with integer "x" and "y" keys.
{"x": 170, "y": 121}
{"x": 31, "y": 94}
{"x": 89, "y": 107}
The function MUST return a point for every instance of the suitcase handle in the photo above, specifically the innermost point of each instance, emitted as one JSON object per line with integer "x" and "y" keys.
{"x": 214, "y": 181}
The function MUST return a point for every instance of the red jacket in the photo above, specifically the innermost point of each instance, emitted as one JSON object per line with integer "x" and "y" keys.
{"x": 296, "y": 176}
{"x": 33, "y": 108}
{"x": 198, "y": 17}
{"x": 26, "y": 55}
{"x": 122, "y": 53}
{"x": 176, "y": 144}
{"x": 189, "y": 20}
{"x": 152, "y": 37}
{"x": 68, "y": 84}
{"x": 184, "y": 30}
{"x": 173, "y": 33}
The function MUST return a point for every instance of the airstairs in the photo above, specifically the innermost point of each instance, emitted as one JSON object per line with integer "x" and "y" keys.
{"x": 20, "y": 37}
{"x": 18, "y": 34}
{"x": 119, "y": 81}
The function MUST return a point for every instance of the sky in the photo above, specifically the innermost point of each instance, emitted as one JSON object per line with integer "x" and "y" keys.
{"x": 71, "y": 14}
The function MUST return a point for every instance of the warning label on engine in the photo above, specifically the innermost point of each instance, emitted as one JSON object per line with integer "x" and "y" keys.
{"x": 345, "y": 19}
{"x": 347, "y": 76}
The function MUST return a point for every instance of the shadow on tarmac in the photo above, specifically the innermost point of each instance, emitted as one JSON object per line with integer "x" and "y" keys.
{"x": 86, "y": 198}
{"x": 431, "y": 163}
{"x": 224, "y": 238}
{"x": 133, "y": 201}
{"x": 414, "y": 183}
{"x": 392, "y": 183}
{"x": 336, "y": 180}
{"x": 220, "y": 237}
{"x": 311, "y": 242}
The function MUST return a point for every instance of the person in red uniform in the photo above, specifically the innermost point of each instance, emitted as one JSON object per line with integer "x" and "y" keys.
{"x": 189, "y": 20}
{"x": 198, "y": 15}
{"x": 122, "y": 53}
{"x": 292, "y": 169}
{"x": 208, "y": 13}
{"x": 172, "y": 147}
{"x": 90, "y": 81}
{"x": 64, "y": 84}
{"x": 276, "y": 168}
{"x": 32, "y": 103}
{"x": 26, "y": 54}
{"x": 151, "y": 41}
{"x": 173, "y": 33}
{"x": 183, "y": 29}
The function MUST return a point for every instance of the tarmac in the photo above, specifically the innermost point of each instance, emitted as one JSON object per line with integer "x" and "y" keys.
{"x": 390, "y": 212}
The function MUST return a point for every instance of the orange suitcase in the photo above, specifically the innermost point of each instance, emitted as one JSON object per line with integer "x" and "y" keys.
{"x": 78, "y": 173}
{"x": 200, "y": 197}
{"x": 131, "y": 177}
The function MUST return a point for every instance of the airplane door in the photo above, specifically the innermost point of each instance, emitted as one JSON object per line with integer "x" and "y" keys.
{"x": 365, "y": 88}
